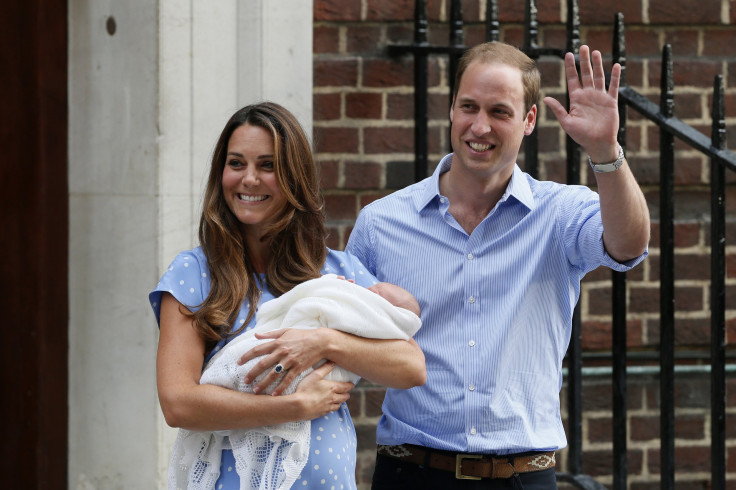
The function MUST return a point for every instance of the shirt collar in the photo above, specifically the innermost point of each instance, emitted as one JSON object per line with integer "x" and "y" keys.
{"x": 518, "y": 187}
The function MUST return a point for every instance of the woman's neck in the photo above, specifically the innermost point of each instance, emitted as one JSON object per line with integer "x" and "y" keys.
{"x": 259, "y": 253}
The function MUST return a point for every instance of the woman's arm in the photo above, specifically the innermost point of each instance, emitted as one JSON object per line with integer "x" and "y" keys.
{"x": 187, "y": 404}
{"x": 393, "y": 363}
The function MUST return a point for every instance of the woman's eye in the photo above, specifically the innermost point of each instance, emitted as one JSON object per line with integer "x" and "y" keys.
{"x": 267, "y": 165}
{"x": 233, "y": 163}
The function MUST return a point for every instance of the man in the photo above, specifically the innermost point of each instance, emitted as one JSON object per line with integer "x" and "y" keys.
{"x": 495, "y": 259}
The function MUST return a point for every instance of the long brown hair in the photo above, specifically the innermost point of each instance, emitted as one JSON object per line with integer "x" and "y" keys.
{"x": 296, "y": 235}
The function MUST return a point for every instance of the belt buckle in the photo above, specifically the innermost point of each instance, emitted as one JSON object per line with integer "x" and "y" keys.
{"x": 458, "y": 466}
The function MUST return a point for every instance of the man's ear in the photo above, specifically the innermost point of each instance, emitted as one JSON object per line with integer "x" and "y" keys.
{"x": 531, "y": 120}
{"x": 452, "y": 108}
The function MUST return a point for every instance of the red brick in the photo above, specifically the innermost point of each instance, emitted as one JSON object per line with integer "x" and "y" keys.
{"x": 364, "y": 39}
{"x": 387, "y": 73}
{"x": 400, "y": 106}
{"x": 555, "y": 36}
{"x": 604, "y": 11}
{"x": 691, "y": 332}
{"x": 474, "y": 34}
{"x": 335, "y": 140}
{"x": 599, "y": 429}
{"x": 393, "y": 10}
{"x": 511, "y": 11}
{"x": 672, "y": 12}
{"x": 329, "y": 172}
{"x": 340, "y": 206}
{"x": 600, "y": 38}
{"x": 399, "y": 34}
{"x": 513, "y": 35}
{"x": 684, "y": 42}
{"x": 326, "y": 106}
{"x": 644, "y": 428}
{"x": 334, "y": 242}
{"x": 359, "y": 175}
{"x": 366, "y": 199}
{"x": 634, "y": 74}
{"x": 687, "y": 72}
{"x": 549, "y": 138}
{"x": 551, "y": 73}
{"x": 642, "y": 43}
{"x": 599, "y": 301}
{"x": 388, "y": 140}
{"x": 326, "y": 39}
{"x": 335, "y": 72}
{"x": 690, "y": 427}
{"x": 686, "y": 234}
{"x": 644, "y": 300}
{"x": 374, "y": 401}
{"x": 337, "y": 10}
{"x": 438, "y": 106}
{"x": 362, "y": 105}
{"x": 691, "y": 266}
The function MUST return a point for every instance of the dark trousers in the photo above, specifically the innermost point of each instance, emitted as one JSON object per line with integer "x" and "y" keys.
{"x": 392, "y": 473}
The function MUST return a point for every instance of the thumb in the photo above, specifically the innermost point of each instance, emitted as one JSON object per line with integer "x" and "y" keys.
{"x": 557, "y": 109}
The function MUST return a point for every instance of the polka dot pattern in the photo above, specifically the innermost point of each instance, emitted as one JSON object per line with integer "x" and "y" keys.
{"x": 333, "y": 443}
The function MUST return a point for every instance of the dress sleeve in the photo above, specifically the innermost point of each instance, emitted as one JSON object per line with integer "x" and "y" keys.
{"x": 348, "y": 265}
{"x": 186, "y": 279}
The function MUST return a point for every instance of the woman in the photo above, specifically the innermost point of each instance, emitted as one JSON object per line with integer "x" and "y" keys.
{"x": 261, "y": 233}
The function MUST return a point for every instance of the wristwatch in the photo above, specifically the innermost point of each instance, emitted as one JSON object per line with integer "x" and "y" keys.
{"x": 602, "y": 168}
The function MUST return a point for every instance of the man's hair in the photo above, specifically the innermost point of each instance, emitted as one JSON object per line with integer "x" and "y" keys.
{"x": 296, "y": 234}
{"x": 495, "y": 52}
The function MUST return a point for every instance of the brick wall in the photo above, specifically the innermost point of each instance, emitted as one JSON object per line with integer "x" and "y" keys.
{"x": 363, "y": 130}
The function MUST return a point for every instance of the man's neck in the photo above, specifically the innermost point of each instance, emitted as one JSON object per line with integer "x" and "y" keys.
{"x": 471, "y": 198}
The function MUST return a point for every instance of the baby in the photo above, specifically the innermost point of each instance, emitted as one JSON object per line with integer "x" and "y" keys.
{"x": 383, "y": 311}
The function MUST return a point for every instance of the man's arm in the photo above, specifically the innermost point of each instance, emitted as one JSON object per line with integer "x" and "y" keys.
{"x": 592, "y": 122}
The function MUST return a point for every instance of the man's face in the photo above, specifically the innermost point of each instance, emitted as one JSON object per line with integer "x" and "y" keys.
{"x": 489, "y": 119}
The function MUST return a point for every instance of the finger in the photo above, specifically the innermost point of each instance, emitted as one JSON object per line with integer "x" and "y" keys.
{"x": 286, "y": 380}
{"x": 571, "y": 73}
{"x": 273, "y": 334}
{"x": 586, "y": 71}
{"x": 324, "y": 369}
{"x": 557, "y": 109}
{"x": 257, "y": 351}
{"x": 265, "y": 364}
{"x": 275, "y": 372}
{"x": 599, "y": 76}
{"x": 615, "y": 81}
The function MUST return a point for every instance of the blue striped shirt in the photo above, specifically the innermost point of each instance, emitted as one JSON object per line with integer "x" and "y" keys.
{"x": 496, "y": 306}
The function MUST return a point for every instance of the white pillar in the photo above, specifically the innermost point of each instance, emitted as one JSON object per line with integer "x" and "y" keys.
{"x": 148, "y": 95}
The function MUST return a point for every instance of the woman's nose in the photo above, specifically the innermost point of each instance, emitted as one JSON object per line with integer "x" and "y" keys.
{"x": 250, "y": 177}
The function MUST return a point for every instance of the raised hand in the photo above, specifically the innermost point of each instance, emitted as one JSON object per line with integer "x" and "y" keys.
{"x": 593, "y": 117}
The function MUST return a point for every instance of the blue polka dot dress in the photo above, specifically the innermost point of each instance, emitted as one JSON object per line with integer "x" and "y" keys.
{"x": 331, "y": 463}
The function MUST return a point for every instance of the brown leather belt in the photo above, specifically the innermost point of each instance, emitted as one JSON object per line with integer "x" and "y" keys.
{"x": 470, "y": 466}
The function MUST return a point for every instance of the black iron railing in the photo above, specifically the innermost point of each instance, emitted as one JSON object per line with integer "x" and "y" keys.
{"x": 670, "y": 129}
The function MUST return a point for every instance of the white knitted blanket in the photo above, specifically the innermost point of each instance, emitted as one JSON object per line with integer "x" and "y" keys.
{"x": 272, "y": 457}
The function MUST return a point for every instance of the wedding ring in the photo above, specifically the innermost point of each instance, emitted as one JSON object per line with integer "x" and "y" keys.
{"x": 278, "y": 369}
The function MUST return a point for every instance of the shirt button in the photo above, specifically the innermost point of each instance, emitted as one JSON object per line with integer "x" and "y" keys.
{"x": 442, "y": 200}
{"x": 472, "y": 387}
{"x": 473, "y": 431}
{"x": 471, "y": 343}
{"x": 470, "y": 256}
{"x": 471, "y": 300}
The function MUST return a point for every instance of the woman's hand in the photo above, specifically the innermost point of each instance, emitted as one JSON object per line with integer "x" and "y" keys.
{"x": 293, "y": 350}
{"x": 321, "y": 396}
